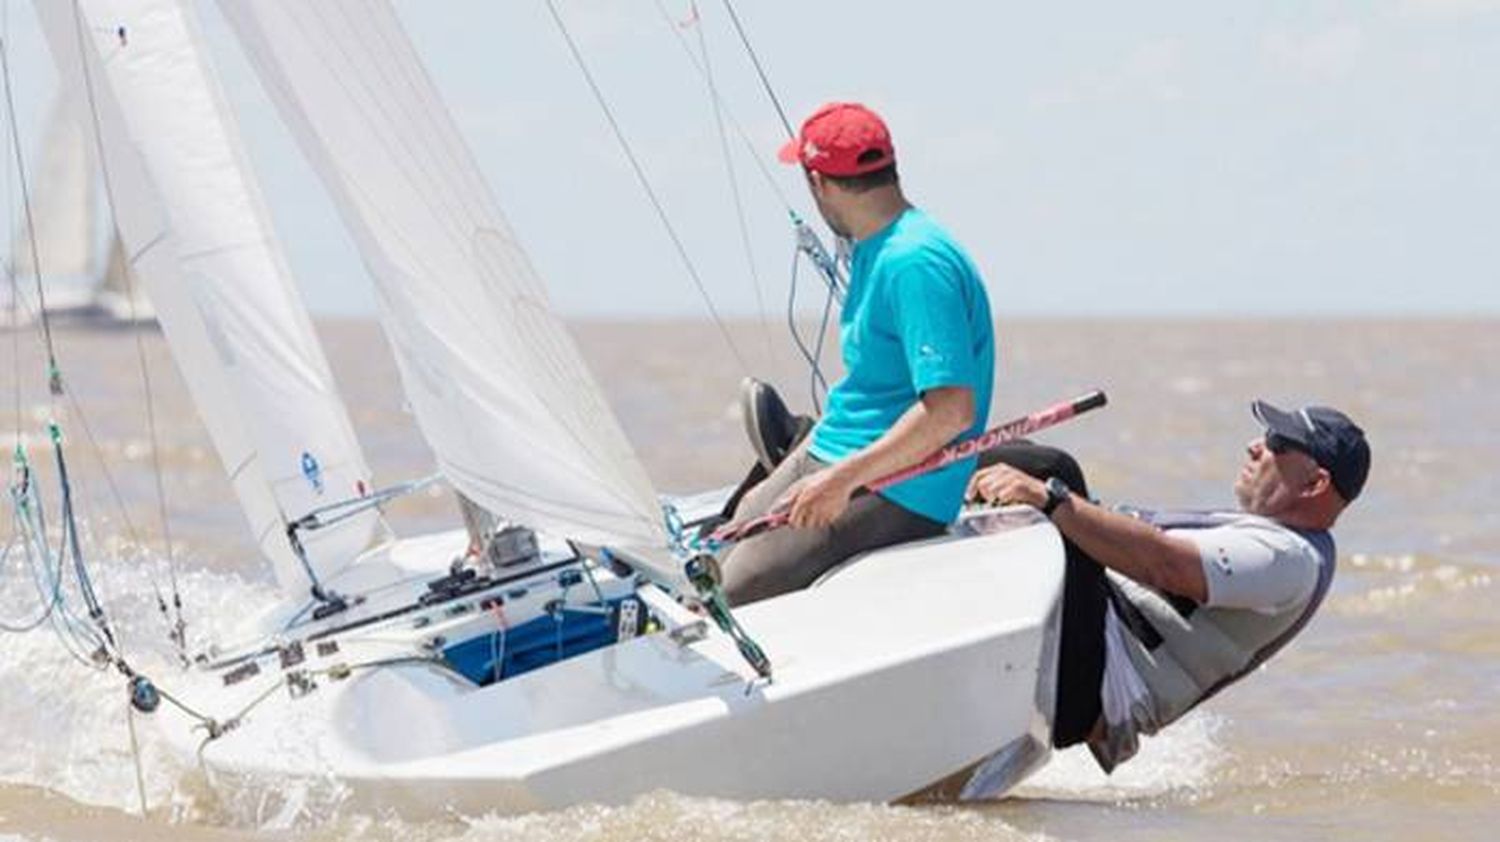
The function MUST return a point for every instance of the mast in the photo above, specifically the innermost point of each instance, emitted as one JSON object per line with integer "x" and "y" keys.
{"x": 195, "y": 230}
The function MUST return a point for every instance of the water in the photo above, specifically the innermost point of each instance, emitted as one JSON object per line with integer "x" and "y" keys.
{"x": 1380, "y": 722}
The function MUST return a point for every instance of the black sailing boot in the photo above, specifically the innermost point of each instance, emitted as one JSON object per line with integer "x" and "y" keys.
{"x": 772, "y": 428}
{"x": 773, "y": 432}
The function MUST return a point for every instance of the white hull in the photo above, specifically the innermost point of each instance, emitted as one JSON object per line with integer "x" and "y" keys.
{"x": 894, "y": 672}
{"x": 77, "y": 301}
{"x": 120, "y": 308}
{"x": 67, "y": 298}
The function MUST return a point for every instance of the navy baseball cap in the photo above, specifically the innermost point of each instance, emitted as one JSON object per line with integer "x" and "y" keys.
{"x": 1333, "y": 441}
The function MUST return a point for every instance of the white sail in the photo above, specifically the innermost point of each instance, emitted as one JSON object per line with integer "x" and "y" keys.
{"x": 121, "y": 293}
{"x": 197, "y": 233}
{"x": 62, "y": 202}
{"x": 497, "y": 384}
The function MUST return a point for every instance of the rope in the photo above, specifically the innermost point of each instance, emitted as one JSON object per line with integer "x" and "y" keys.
{"x": 47, "y": 569}
{"x": 178, "y": 633}
{"x": 817, "y": 363}
{"x": 342, "y": 510}
{"x": 497, "y": 647}
{"x": 813, "y": 363}
{"x": 135, "y": 755}
{"x": 182, "y": 706}
{"x": 30, "y": 526}
{"x": 71, "y": 546}
{"x": 97, "y": 450}
{"x": 217, "y": 728}
{"x": 24, "y": 526}
{"x": 645, "y": 183}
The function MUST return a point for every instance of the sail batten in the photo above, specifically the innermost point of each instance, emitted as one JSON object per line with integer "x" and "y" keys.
{"x": 497, "y": 385}
{"x": 196, "y": 232}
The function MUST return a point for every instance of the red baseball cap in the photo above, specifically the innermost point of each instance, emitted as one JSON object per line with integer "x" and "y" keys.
{"x": 841, "y": 139}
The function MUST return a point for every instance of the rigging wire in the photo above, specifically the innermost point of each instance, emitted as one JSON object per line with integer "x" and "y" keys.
{"x": 80, "y": 641}
{"x": 178, "y": 625}
{"x": 69, "y": 630}
{"x": 17, "y": 301}
{"x": 751, "y": 149}
{"x": 76, "y": 411}
{"x": 54, "y": 374}
{"x": 95, "y": 646}
{"x": 817, "y": 379}
{"x": 23, "y": 522}
{"x": 759, "y": 69}
{"x": 734, "y": 182}
{"x": 645, "y": 183}
{"x": 817, "y": 364}
{"x": 14, "y": 304}
{"x": 812, "y": 247}
{"x": 71, "y": 546}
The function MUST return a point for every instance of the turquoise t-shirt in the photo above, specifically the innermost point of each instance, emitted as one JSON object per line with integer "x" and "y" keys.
{"x": 916, "y": 317}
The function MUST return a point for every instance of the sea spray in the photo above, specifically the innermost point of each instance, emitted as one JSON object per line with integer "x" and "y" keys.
{"x": 62, "y": 722}
{"x": 1180, "y": 760}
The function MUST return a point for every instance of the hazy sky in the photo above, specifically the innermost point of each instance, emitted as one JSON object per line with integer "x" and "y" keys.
{"x": 1293, "y": 157}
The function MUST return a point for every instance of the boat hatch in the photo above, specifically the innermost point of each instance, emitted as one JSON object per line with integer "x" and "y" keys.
{"x": 563, "y": 632}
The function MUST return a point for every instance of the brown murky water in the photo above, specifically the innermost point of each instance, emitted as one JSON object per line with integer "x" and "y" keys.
{"x": 1381, "y": 722}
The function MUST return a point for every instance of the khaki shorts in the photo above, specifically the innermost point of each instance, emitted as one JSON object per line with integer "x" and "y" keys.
{"x": 790, "y": 558}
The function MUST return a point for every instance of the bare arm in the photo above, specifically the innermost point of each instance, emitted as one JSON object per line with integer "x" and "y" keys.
{"x": 1120, "y": 542}
{"x": 930, "y": 423}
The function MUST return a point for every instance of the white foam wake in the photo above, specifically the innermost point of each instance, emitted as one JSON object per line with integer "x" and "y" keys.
{"x": 667, "y": 816}
{"x": 63, "y": 724}
{"x": 1181, "y": 758}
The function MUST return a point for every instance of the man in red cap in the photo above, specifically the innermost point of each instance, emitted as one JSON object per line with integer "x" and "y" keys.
{"x": 919, "y": 354}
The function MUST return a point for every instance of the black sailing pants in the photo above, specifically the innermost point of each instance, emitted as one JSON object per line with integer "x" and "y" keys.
{"x": 1080, "y": 662}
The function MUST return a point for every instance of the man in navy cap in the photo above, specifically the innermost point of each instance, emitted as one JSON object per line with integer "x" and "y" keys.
{"x": 1163, "y": 609}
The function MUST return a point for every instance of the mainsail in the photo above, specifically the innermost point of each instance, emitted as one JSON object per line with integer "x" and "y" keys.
{"x": 497, "y": 384}
{"x": 196, "y": 231}
{"x": 63, "y": 201}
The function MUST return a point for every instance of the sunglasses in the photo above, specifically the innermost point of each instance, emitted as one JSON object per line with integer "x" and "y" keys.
{"x": 1279, "y": 444}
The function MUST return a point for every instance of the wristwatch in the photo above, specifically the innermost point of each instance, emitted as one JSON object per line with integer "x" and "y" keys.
{"x": 1057, "y": 492}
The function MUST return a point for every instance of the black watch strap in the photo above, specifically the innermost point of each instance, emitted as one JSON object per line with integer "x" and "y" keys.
{"x": 1057, "y": 492}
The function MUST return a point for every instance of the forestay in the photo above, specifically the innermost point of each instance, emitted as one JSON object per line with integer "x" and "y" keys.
{"x": 197, "y": 233}
{"x": 498, "y": 387}
{"x": 63, "y": 202}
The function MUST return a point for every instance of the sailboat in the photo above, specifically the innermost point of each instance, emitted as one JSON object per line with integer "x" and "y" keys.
{"x": 65, "y": 222}
{"x": 583, "y": 653}
{"x": 120, "y": 296}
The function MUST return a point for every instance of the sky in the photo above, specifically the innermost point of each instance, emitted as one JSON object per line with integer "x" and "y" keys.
{"x": 1294, "y": 158}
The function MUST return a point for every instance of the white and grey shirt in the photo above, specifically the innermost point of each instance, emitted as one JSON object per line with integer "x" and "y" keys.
{"x": 1165, "y": 654}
